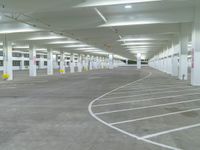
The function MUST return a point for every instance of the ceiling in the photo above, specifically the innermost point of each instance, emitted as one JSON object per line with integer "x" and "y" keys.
{"x": 122, "y": 27}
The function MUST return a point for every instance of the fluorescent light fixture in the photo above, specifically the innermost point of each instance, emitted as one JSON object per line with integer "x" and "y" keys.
{"x": 112, "y": 2}
{"x": 41, "y": 49}
{"x": 63, "y": 42}
{"x": 101, "y": 15}
{"x": 142, "y": 43}
{"x": 74, "y": 46}
{"x": 93, "y": 51}
{"x": 135, "y": 39}
{"x": 21, "y": 47}
{"x": 46, "y": 38}
{"x": 98, "y": 52}
{"x": 128, "y": 23}
{"x": 87, "y": 48}
{"x": 139, "y": 55}
{"x": 128, "y": 6}
{"x": 17, "y": 31}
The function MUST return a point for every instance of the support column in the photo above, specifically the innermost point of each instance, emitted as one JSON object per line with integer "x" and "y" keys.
{"x": 175, "y": 65}
{"x": 138, "y": 61}
{"x": 49, "y": 62}
{"x": 86, "y": 62}
{"x": 111, "y": 65}
{"x": 72, "y": 65}
{"x": 7, "y": 59}
{"x": 80, "y": 63}
{"x": 91, "y": 63}
{"x": 62, "y": 63}
{"x": 126, "y": 61}
{"x": 22, "y": 66}
{"x": 183, "y": 62}
{"x": 32, "y": 61}
{"x": 195, "y": 72}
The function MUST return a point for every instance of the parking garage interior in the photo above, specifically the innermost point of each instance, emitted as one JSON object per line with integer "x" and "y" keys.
{"x": 99, "y": 74}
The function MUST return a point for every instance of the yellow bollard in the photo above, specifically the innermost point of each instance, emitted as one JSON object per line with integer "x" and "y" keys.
{"x": 5, "y": 76}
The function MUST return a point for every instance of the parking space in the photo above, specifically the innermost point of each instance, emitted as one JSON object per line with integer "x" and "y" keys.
{"x": 157, "y": 109}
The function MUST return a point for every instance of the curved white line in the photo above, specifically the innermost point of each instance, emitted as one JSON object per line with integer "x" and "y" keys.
{"x": 120, "y": 130}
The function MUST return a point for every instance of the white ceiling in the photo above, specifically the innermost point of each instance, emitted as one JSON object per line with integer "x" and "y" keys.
{"x": 156, "y": 22}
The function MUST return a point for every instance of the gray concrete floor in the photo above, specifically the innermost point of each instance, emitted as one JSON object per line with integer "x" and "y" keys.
{"x": 51, "y": 112}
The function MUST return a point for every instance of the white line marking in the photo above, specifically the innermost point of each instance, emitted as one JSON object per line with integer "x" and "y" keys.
{"x": 144, "y": 100}
{"x": 152, "y": 87}
{"x": 120, "y": 130}
{"x": 146, "y": 107}
{"x": 156, "y": 116}
{"x": 130, "y": 96}
{"x": 171, "y": 131}
{"x": 150, "y": 90}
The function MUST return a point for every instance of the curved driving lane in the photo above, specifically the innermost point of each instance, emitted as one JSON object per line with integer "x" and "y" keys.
{"x": 156, "y": 109}
{"x": 51, "y": 113}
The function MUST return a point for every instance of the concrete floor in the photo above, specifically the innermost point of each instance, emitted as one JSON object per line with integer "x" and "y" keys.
{"x": 51, "y": 113}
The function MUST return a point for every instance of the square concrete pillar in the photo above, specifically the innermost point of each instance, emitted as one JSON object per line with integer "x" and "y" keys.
{"x": 183, "y": 55}
{"x": 62, "y": 62}
{"x": 7, "y": 59}
{"x": 32, "y": 61}
{"x": 72, "y": 64}
{"x": 195, "y": 71}
{"x": 49, "y": 62}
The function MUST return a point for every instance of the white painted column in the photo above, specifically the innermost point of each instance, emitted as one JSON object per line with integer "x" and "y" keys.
{"x": 62, "y": 63}
{"x": 41, "y": 64}
{"x": 32, "y": 61}
{"x": 183, "y": 62}
{"x": 91, "y": 63}
{"x": 175, "y": 66}
{"x": 80, "y": 63}
{"x": 49, "y": 62}
{"x": 126, "y": 61}
{"x": 7, "y": 59}
{"x": 111, "y": 65}
{"x": 195, "y": 72}
{"x": 22, "y": 67}
{"x": 72, "y": 64}
{"x": 102, "y": 63}
{"x": 138, "y": 61}
{"x": 84, "y": 63}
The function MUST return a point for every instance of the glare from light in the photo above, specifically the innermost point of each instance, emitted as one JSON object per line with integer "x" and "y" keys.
{"x": 21, "y": 47}
{"x": 41, "y": 49}
{"x": 135, "y": 39}
{"x": 128, "y": 23}
{"x": 138, "y": 55}
{"x": 101, "y": 15}
{"x": 140, "y": 43}
{"x": 76, "y": 46}
{"x": 86, "y": 48}
{"x": 46, "y": 38}
{"x": 17, "y": 31}
{"x": 63, "y": 42}
{"x": 93, "y": 51}
{"x": 112, "y": 2}
{"x": 128, "y": 6}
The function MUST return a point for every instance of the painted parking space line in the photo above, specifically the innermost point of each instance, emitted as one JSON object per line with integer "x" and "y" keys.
{"x": 155, "y": 85}
{"x": 146, "y": 107}
{"x": 4, "y": 88}
{"x": 155, "y": 116}
{"x": 147, "y": 87}
{"x": 123, "y": 131}
{"x": 171, "y": 131}
{"x": 150, "y": 90}
{"x": 168, "y": 92}
{"x": 144, "y": 100}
